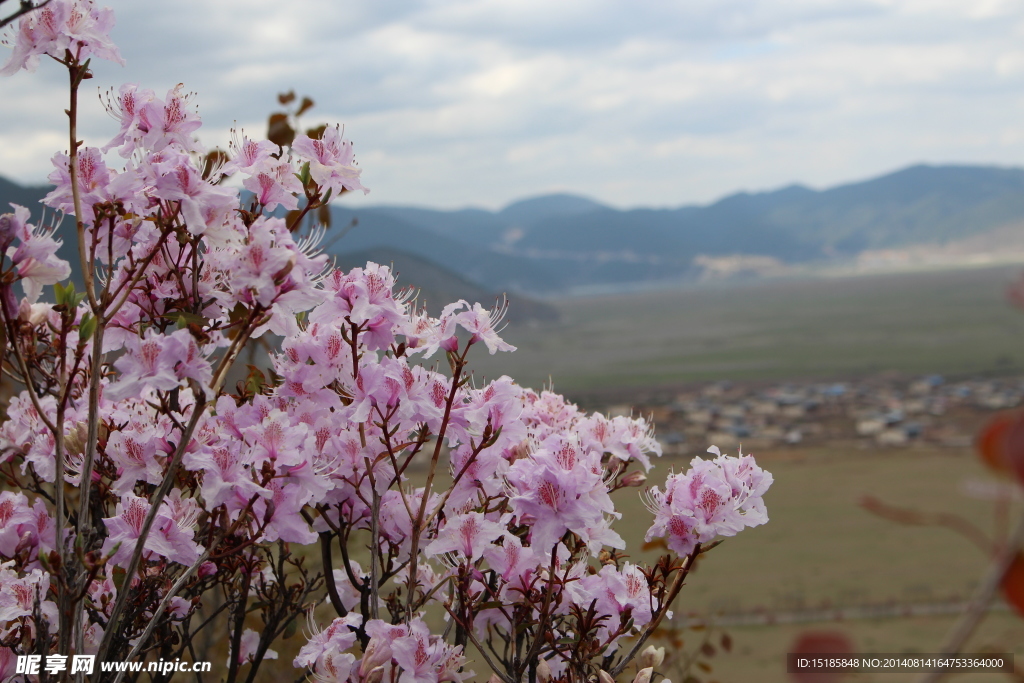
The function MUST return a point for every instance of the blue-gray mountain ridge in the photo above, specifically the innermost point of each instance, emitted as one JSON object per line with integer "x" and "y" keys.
{"x": 556, "y": 243}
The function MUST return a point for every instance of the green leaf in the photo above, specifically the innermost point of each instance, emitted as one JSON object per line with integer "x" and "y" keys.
{"x": 185, "y": 318}
{"x": 256, "y": 380}
{"x": 291, "y": 629}
{"x": 324, "y": 215}
{"x": 87, "y": 328}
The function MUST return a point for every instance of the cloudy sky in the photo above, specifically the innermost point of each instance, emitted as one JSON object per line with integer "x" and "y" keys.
{"x": 633, "y": 102}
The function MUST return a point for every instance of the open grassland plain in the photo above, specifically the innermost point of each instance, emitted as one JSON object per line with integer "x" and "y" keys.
{"x": 758, "y": 653}
{"x": 953, "y": 322}
{"x": 821, "y": 548}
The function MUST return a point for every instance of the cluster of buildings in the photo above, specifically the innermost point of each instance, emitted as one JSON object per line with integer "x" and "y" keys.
{"x": 869, "y": 413}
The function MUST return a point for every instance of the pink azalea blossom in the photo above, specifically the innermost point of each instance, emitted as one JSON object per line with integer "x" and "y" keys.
{"x": 15, "y": 518}
{"x": 274, "y": 184}
{"x": 468, "y": 534}
{"x": 246, "y": 154}
{"x": 18, "y": 594}
{"x": 171, "y": 536}
{"x": 93, "y": 178}
{"x": 425, "y": 658}
{"x": 480, "y": 322}
{"x": 170, "y": 121}
{"x": 332, "y": 163}
{"x": 338, "y": 637}
{"x": 127, "y": 109}
{"x": 247, "y": 648}
{"x": 35, "y": 258}
{"x": 62, "y": 25}
{"x": 159, "y": 361}
{"x": 714, "y": 498}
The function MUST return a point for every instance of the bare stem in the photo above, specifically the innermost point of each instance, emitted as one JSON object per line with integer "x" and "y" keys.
{"x": 983, "y": 596}
{"x": 417, "y": 529}
{"x": 162, "y": 608}
{"x": 673, "y": 591}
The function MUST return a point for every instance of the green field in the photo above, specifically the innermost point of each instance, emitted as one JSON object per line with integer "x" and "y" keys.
{"x": 821, "y": 546}
{"x": 952, "y": 322}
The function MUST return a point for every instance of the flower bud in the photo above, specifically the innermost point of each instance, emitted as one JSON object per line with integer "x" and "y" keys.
{"x": 604, "y": 677}
{"x": 375, "y": 676}
{"x": 280, "y": 275}
{"x": 374, "y": 657}
{"x": 634, "y": 479}
{"x": 521, "y": 450}
{"x": 8, "y": 230}
{"x": 644, "y": 676}
{"x": 543, "y": 671}
{"x": 651, "y": 656}
{"x": 8, "y": 300}
{"x": 74, "y": 440}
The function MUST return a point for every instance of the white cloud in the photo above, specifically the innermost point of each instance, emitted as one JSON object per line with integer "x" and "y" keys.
{"x": 456, "y": 102}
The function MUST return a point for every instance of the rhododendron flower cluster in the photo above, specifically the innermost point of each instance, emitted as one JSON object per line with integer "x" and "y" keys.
{"x": 150, "y": 499}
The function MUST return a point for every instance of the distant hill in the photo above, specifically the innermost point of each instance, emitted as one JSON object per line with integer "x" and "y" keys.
{"x": 438, "y": 287}
{"x": 24, "y": 195}
{"x": 562, "y": 242}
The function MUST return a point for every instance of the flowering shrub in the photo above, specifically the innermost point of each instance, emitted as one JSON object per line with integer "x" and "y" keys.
{"x": 144, "y": 494}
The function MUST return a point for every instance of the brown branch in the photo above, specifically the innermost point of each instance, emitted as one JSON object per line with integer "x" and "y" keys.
{"x": 26, "y": 7}
{"x": 983, "y": 596}
{"x": 911, "y": 517}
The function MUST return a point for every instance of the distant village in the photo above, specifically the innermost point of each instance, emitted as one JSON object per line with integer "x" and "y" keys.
{"x": 869, "y": 414}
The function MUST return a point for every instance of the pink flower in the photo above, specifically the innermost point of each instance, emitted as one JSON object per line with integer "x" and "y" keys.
{"x": 481, "y": 322}
{"x": 246, "y": 154}
{"x": 36, "y": 257}
{"x": 560, "y": 488}
{"x": 15, "y": 518}
{"x": 325, "y": 647}
{"x": 714, "y": 498}
{"x": 286, "y": 522}
{"x": 332, "y": 163}
{"x": 255, "y": 270}
{"x": 171, "y": 535}
{"x": 227, "y": 473}
{"x": 177, "y": 179}
{"x": 169, "y": 121}
{"x": 425, "y": 658}
{"x": 18, "y": 594}
{"x": 93, "y": 178}
{"x": 616, "y": 592}
{"x": 247, "y": 647}
{"x": 75, "y": 25}
{"x": 468, "y": 534}
{"x": 158, "y": 361}
{"x": 126, "y": 108}
{"x": 138, "y": 455}
{"x": 363, "y": 297}
{"x": 513, "y": 562}
{"x": 8, "y": 663}
{"x": 274, "y": 184}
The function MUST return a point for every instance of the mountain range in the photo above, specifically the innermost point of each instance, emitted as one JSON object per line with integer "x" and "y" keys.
{"x": 559, "y": 243}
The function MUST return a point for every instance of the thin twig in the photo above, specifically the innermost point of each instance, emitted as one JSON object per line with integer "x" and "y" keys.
{"x": 983, "y": 596}
{"x": 25, "y": 9}
{"x": 162, "y": 607}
